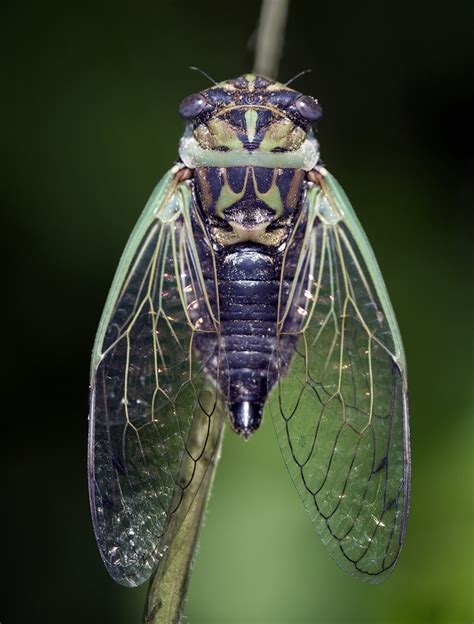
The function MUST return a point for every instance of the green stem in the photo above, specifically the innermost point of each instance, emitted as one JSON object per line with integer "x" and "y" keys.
{"x": 270, "y": 37}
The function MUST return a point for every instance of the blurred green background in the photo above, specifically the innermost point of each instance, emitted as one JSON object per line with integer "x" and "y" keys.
{"x": 90, "y": 124}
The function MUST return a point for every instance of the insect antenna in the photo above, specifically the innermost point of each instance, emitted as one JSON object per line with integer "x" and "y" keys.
{"x": 301, "y": 73}
{"x": 201, "y": 71}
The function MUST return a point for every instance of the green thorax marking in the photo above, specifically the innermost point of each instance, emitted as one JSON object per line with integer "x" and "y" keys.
{"x": 228, "y": 197}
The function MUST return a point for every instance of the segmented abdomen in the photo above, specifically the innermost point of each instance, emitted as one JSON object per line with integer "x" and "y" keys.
{"x": 248, "y": 294}
{"x": 248, "y": 284}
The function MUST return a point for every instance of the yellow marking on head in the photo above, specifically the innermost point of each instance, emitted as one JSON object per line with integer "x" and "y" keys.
{"x": 204, "y": 137}
{"x": 217, "y": 133}
{"x": 277, "y": 86}
{"x": 226, "y": 85}
{"x": 225, "y": 135}
{"x": 251, "y": 117}
{"x": 282, "y": 134}
{"x": 250, "y": 78}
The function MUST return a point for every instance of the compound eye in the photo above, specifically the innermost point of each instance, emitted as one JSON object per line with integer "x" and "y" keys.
{"x": 309, "y": 108}
{"x": 192, "y": 105}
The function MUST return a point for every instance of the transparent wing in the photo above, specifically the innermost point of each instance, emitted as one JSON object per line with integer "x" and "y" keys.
{"x": 341, "y": 410}
{"x": 155, "y": 415}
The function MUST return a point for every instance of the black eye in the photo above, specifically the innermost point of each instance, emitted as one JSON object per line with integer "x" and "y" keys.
{"x": 192, "y": 105}
{"x": 308, "y": 108}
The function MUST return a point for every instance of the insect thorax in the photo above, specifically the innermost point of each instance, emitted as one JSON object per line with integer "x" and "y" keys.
{"x": 248, "y": 204}
{"x": 249, "y": 146}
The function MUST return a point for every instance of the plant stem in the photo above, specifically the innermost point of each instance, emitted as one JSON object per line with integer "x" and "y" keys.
{"x": 270, "y": 37}
{"x": 168, "y": 586}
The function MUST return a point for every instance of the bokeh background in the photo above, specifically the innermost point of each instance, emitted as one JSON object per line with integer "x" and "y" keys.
{"x": 90, "y": 124}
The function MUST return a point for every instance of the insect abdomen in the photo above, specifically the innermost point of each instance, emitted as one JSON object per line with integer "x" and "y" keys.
{"x": 249, "y": 285}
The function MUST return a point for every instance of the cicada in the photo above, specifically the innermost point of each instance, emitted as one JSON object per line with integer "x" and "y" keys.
{"x": 248, "y": 288}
